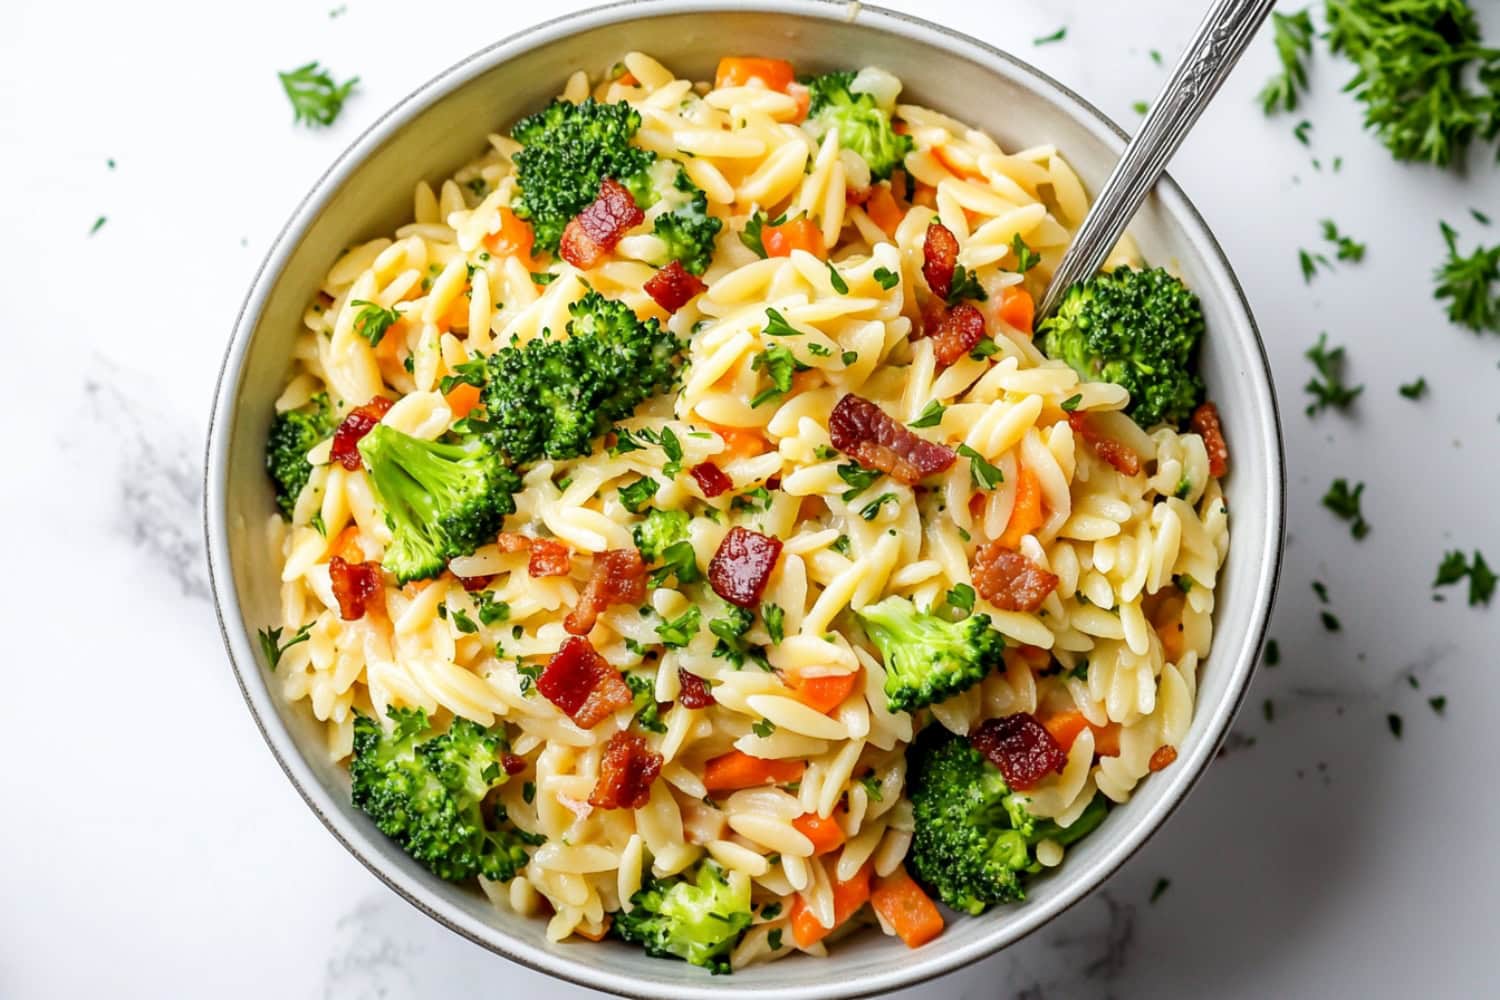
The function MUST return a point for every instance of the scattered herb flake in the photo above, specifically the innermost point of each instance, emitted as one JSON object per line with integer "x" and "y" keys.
{"x": 1329, "y": 390}
{"x": 1293, "y": 36}
{"x": 1056, "y": 36}
{"x": 886, "y": 278}
{"x": 837, "y": 280}
{"x": 316, "y": 99}
{"x": 1273, "y": 653}
{"x": 1470, "y": 284}
{"x": 931, "y": 415}
{"x": 1393, "y": 722}
{"x": 1414, "y": 390}
{"x": 98, "y": 224}
{"x": 1345, "y": 505}
{"x": 1162, "y": 884}
{"x": 1347, "y": 248}
{"x": 1438, "y": 703}
{"x": 984, "y": 475}
{"x": 272, "y": 647}
{"x": 1330, "y": 622}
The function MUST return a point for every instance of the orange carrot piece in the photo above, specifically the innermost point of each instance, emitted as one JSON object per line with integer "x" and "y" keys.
{"x": 1017, "y": 308}
{"x": 346, "y": 546}
{"x": 737, "y": 71}
{"x": 825, "y": 834}
{"x": 794, "y": 234}
{"x": 741, "y": 442}
{"x": 848, "y": 897}
{"x": 737, "y": 769}
{"x": 462, "y": 399}
{"x": 883, "y": 210}
{"x": 824, "y": 694}
{"x": 1026, "y": 513}
{"x": 1107, "y": 740}
{"x": 514, "y": 239}
{"x": 906, "y": 908}
{"x": 1065, "y": 727}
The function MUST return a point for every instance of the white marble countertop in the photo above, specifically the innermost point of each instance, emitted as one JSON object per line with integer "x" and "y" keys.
{"x": 151, "y": 847}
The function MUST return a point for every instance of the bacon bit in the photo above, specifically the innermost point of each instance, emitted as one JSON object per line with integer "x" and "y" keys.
{"x": 694, "y": 691}
{"x": 1009, "y": 580}
{"x": 579, "y": 682}
{"x": 711, "y": 479}
{"x": 743, "y": 563}
{"x": 674, "y": 286}
{"x": 1122, "y": 457}
{"x": 939, "y": 258}
{"x": 513, "y": 764}
{"x": 625, "y": 773}
{"x": 618, "y": 577}
{"x": 871, "y": 437}
{"x": 1162, "y": 758}
{"x": 357, "y": 587}
{"x": 513, "y": 541}
{"x": 549, "y": 558}
{"x": 1206, "y": 423}
{"x": 593, "y": 232}
{"x": 1021, "y": 748}
{"x": 473, "y": 583}
{"x": 958, "y": 332}
{"x": 932, "y": 313}
{"x": 360, "y": 421}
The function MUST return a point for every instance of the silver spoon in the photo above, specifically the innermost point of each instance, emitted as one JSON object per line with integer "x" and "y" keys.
{"x": 1215, "y": 47}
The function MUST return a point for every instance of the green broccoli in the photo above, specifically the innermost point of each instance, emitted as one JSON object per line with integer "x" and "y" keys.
{"x": 927, "y": 658}
{"x": 663, "y": 538}
{"x": 974, "y": 841}
{"x": 293, "y": 434}
{"x": 1139, "y": 330}
{"x": 440, "y": 499}
{"x": 567, "y": 150}
{"x": 428, "y": 795}
{"x": 687, "y": 229}
{"x": 697, "y": 918}
{"x": 863, "y": 125}
{"x": 552, "y": 397}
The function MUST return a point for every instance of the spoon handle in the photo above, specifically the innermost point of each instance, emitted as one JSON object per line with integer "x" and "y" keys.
{"x": 1215, "y": 47}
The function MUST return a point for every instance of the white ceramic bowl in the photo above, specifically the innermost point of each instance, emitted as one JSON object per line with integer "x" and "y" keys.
{"x": 367, "y": 192}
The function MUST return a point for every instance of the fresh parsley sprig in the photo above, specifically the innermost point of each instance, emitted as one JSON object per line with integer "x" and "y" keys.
{"x": 1345, "y": 505}
{"x": 1293, "y": 36}
{"x": 1328, "y": 389}
{"x": 1470, "y": 285}
{"x": 316, "y": 98}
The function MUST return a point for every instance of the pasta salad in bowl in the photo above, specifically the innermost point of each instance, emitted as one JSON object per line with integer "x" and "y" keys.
{"x": 686, "y": 536}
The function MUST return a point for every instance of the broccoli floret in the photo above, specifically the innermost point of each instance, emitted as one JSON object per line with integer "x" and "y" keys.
{"x": 688, "y": 230}
{"x": 441, "y": 499}
{"x": 1139, "y": 330}
{"x": 663, "y": 538}
{"x": 927, "y": 658}
{"x": 567, "y": 149}
{"x": 293, "y": 434}
{"x": 553, "y": 397}
{"x": 974, "y": 840}
{"x": 863, "y": 126}
{"x": 428, "y": 794}
{"x": 697, "y": 918}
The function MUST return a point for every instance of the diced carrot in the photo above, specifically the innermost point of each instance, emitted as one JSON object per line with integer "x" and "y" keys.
{"x": 848, "y": 897}
{"x": 1017, "y": 308}
{"x": 1026, "y": 513}
{"x": 883, "y": 210}
{"x": 825, "y": 834}
{"x": 346, "y": 546}
{"x": 906, "y": 908}
{"x": 1107, "y": 740}
{"x": 388, "y": 351}
{"x": 741, "y": 442}
{"x": 794, "y": 234}
{"x": 462, "y": 399}
{"x": 737, "y": 769}
{"x": 627, "y": 79}
{"x": 803, "y": 97}
{"x": 1166, "y": 618}
{"x": 514, "y": 239}
{"x": 1065, "y": 727}
{"x": 737, "y": 71}
{"x": 925, "y": 195}
{"x": 824, "y": 694}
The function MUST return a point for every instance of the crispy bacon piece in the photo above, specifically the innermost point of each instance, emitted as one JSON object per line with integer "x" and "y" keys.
{"x": 958, "y": 332}
{"x": 594, "y": 232}
{"x": 740, "y": 568}
{"x": 357, "y": 587}
{"x": 933, "y": 311}
{"x": 513, "y": 764}
{"x": 360, "y": 421}
{"x": 711, "y": 479}
{"x": 1121, "y": 456}
{"x": 474, "y": 583}
{"x": 579, "y": 681}
{"x": 694, "y": 691}
{"x": 871, "y": 437}
{"x": 1021, "y": 748}
{"x": 1206, "y": 423}
{"x": 618, "y": 577}
{"x": 939, "y": 258}
{"x": 549, "y": 557}
{"x": 625, "y": 773}
{"x": 674, "y": 286}
{"x": 513, "y": 541}
{"x": 1162, "y": 758}
{"x": 1009, "y": 580}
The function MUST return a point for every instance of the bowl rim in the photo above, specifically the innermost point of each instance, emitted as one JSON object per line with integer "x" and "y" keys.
{"x": 256, "y": 690}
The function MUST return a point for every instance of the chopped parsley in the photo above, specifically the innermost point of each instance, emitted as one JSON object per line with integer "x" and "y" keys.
{"x": 672, "y": 448}
{"x": 751, "y": 234}
{"x": 775, "y": 619}
{"x": 490, "y": 611}
{"x": 316, "y": 99}
{"x": 873, "y": 791}
{"x": 1414, "y": 390}
{"x": 1438, "y": 703}
{"x": 777, "y": 326}
{"x": 1471, "y": 285}
{"x": 1273, "y": 653}
{"x": 964, "y": 286}
{"x": 779, "y": 364}
{"x": 841, "y": 545}
{"x": 1309, "y": 263}
{"x": 773, "y": 939}
{"x": 272, "y": 646}
{"x": 1162, "y": 884}
{"x": 1394, "y": 724}
{"x": 1330, "y": 623}
{"x": 763, "y": 728}
{"x": 961, "y": 598}
{"x": 849, "y": 358}
{"x": 1140, "y": 107}
{"x": 1293, "y": 35}
{"x": 1071, "y": 403}
{"x": 1345, "y": 505}
{"x": 680, "y": 631}
{"x": 1329, "y": 389}
{"x": 639, "y": 494}
{"x": 1300, "y": 132}
{"x": 462, "y": 621}
{"x": 857, "y": 477}
{"x": 984, "y": 475}
{"x": 1026, "y": 258}
{"x": 373, "y": 320}
{"x": 931, "y": 415}
{"x": 1346, "y": 248}
{"x": 98, "y": 224}
{"x": 837, "y": 280}
{"x": 871, "y": 510}
{"x": 886, "y": 278}
{"x": 1056, "y": 36}
{"x": 647, "y": 711}
{"x": 1482, "y": 579}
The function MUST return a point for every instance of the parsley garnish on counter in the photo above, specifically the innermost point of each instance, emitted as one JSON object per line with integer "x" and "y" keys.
{"x": 1347, "y": 248}
{"x": 1470, "y": 284}
{"x": 316, "y": 99}
{"x": 1293, "y": 33}
{"x": 1056, "y": 36}
{"x": 1414, "y": 390}
{"x": 1482, "y": 579}
{"x": 1329, "y": 389}
{"x": 1344, "y": 503}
